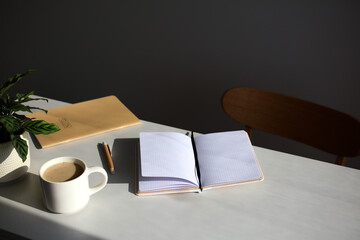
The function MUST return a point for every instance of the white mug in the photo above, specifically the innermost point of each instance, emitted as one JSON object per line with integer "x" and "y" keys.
{"x": 72, "y": 195}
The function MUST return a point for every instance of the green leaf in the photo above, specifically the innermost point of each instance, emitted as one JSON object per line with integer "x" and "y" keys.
{"x": 21, "y": 97}
{"x": 15, "y": 107}
{"x": 24, "y": 97}
{"x": 12, "y": 80}
{"x": 11, "y": 124}
{"x": 20, "y": 146}
{"x": 40, "y": 127}
{"x": 44, "y": 110}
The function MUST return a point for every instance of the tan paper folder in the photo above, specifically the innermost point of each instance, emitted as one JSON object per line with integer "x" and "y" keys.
{"x": 85, "y": 119}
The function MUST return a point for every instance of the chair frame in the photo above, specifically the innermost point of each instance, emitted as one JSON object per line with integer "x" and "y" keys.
{"x": 303, "y": 121}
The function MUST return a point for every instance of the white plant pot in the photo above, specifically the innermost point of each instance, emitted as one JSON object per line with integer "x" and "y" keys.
{"x": 11, "y": 165}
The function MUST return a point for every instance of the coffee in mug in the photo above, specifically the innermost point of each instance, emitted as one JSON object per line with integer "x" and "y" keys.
{"x": 65, "y": 184}
{"x": 62, "y": 172}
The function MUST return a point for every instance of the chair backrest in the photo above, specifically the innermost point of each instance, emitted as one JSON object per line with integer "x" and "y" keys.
{"x": 309, "y": 123}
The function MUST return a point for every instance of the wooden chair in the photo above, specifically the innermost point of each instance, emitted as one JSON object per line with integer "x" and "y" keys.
{"x": 309, "y": 123}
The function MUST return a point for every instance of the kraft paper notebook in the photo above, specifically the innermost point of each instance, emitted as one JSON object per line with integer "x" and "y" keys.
{"x": 85, "y": 119}
{"x": 172, "y": 162}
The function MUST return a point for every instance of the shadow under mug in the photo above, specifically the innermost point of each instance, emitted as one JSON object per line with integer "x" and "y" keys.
{"x": 72, "y": 195}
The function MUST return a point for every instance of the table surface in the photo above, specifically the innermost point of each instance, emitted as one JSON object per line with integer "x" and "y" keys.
{"x": 300, "y": 198}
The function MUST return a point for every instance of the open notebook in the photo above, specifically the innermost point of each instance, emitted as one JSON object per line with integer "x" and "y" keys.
{"x": 172, "y": 162}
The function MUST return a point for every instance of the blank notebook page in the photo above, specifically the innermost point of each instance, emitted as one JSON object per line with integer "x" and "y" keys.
{"x": 226, "y": 158}
{"x": 167, "y": 161}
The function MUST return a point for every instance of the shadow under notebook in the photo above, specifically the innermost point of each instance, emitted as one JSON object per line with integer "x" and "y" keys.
{"x": 124, "y": 153}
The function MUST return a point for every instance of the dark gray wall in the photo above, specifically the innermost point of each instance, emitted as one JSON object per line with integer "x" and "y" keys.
{"x": 170, "y": 61}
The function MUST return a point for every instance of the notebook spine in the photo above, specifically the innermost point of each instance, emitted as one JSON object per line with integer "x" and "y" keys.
{"x": 196, "y": 160}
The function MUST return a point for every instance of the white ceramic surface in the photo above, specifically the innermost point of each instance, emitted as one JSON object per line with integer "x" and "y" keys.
{"x": 11, "y": 165}
{"x": 70, "y": 196}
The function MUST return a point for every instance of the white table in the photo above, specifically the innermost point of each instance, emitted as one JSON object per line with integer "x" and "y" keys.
{"x": 300, "y": 198}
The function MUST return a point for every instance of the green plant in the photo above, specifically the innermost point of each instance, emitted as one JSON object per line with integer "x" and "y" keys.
{"x": 13, "y": 123}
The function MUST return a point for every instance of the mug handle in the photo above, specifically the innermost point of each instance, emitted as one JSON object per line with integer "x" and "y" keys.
{"x": 100, "y": 185}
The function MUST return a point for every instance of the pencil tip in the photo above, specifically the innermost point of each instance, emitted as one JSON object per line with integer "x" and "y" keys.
{"x": 112, "y": 171}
